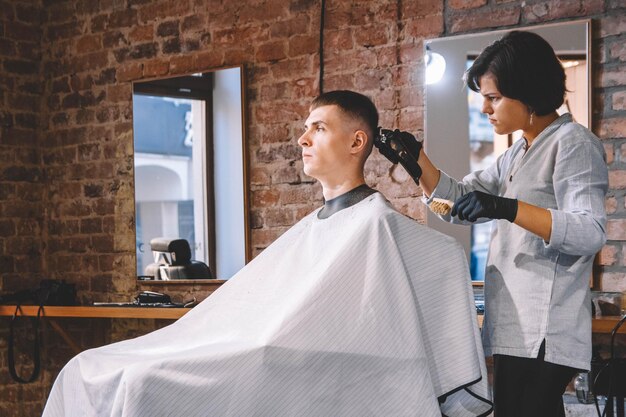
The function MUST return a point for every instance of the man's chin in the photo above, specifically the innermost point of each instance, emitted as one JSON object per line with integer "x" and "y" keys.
{"x": 310, "y": 173}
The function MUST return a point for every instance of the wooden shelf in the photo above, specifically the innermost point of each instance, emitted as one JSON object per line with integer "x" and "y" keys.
{"x": 207, "y": 282}
{"x": 599, "y": 325}
{"x": 98, "y": 312}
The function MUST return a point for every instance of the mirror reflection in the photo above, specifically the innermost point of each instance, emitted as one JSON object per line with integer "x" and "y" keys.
{"x": 190, "y": 190}
{"x": 453, "y": 118}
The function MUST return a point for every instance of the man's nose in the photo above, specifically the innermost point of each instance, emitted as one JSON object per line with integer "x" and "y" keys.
{"x": 303, "y": 140}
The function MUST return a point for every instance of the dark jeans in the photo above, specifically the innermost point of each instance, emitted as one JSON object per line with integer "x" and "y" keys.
{"x": 526, "y": 387}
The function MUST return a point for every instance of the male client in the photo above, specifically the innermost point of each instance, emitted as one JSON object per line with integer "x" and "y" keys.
{"x": 356, "y": 311}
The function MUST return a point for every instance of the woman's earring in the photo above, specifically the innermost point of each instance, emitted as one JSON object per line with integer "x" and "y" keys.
{"x": 531, "y": 118}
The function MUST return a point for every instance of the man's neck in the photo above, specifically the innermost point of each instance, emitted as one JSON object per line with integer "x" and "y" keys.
{"x": 334, "y": 189}
{"x": 344, "y": 201}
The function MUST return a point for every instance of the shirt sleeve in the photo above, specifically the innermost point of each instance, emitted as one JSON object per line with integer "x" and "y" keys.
{"x": 487, "y": 180}
{"x": 580, "y": 184}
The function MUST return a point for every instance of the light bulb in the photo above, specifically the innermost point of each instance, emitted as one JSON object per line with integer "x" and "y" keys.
{"x": 435, "y": 66}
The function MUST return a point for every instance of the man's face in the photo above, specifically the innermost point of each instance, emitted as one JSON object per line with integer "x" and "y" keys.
{"x": 326, "y": 142}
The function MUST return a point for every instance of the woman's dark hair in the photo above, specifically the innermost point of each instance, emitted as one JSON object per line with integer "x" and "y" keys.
{"x": 525, "y": 68}
{"x": 353, "y": 104}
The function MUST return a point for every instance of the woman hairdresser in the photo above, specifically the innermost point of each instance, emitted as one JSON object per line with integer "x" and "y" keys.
{"x": 547, "y": 192}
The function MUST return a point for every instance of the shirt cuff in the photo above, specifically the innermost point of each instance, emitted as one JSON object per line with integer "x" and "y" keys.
{"x": 442, "y": 190}
{"x": 559, "y": 229}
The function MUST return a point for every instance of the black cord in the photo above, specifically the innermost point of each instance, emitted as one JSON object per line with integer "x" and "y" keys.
{"x": 321, "y": 80}
{"x": 611, "y": 366}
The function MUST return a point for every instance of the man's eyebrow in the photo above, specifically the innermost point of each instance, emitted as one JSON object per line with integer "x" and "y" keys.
{"x": 315, "y": 123}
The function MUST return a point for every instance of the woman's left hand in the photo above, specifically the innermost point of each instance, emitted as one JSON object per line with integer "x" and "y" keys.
{"x": 477, "y": 204}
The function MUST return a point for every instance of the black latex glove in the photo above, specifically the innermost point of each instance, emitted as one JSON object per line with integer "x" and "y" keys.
{"x": 477, "y": 204}
{"x": 402, "y": 147}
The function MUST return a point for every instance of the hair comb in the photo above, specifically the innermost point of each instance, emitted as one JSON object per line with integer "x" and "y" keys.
{"x": 441, "y": 206}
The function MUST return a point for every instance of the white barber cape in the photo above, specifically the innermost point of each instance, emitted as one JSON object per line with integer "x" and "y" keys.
{"x": 365, "y": 313}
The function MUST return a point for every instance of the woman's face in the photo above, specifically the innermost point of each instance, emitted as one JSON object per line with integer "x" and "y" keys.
{"x": 505, "y": 114}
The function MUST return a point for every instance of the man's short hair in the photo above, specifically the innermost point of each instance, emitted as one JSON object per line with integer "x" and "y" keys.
{"x": 353, "y": 104}
{"x": 525, "y": 68}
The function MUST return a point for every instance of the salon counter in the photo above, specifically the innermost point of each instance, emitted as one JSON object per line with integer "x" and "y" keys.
{"x": 599, "y": 325}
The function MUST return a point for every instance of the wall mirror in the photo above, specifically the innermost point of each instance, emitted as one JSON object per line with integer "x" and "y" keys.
{"x": 459, "y": 138}
{"x": 190, "y": 169}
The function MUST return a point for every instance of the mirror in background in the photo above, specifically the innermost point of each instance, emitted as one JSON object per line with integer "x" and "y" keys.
{"x": 190, "y": 186}
{"x": 453, "y": 118}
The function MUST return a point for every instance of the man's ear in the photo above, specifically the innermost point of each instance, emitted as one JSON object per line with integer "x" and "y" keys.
{"x": 359, "y": 141}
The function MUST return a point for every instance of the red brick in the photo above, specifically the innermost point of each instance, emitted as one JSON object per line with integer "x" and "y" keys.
{"x": 90, "y": 61}
{"x": 265, "y": 237}
{"x": 610, "y": 205}
{"x": 612, "y": 25}
{"x": 181, "y": 64}
{"x": 304, "y": 88}
{"x": 618, "y": 50}
{"x": 608, "y": 255}
{"x": 263, "y": 12}
{"x": 102, "y": 244}
{"x": 114, "y": 39}
{"x": 21, "y": 32}
{"x": 301, "y": 195}
{"x": 558, "y": 9}
{"x": 290, "y": 27}
{"x": 280, "y": 112}
{"x": 372, "y": 35}
{"x": 142, "y": 33}
{"x": 412, "y": 9}
{"x": 259, "y": 176}
{"x": 155, "y": 68}
{"x": 290, "y": 68}
{"x": 123, "y": 18}
{"x": 129, "y": 72}
{"x": 209, "y": 60}
{"x": 611, "y": 128}
{"x": 617, "y": 179}
{"x": 275, "y": 133}
{"x": 615, "y": 76}
{"x": 279, "y": 217}
{"x": 619, "y": 100}
{"x": 196, "y": 21}
{"x": 339, "y": 40}
{"x": 303, "y": 44}
{"x": 616, "y": 229}
{"x": 505, "y": 16}
{"x": 265, "y": 198}
{"x": 349, "y": 60}
{"x": 373, "y": 79}
{"x": 88, "y": 43}
{"x": 610, "y": 153}
{"x": 286, "y": 175}
{"x": 117, "y": 93}
{"x": 271, "y": 51}
{"x": 339, "y": 82}
{"x": 612, "y": 281}
{"x": 426, "y": 26}
{"x": 466, "y": 4}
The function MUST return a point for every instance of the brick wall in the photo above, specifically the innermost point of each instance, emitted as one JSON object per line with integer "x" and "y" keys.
{"x": 66, "y": 191}
{"x": 22, "y": 182}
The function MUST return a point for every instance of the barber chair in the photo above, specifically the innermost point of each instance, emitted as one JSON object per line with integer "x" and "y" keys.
{"x": 172, "y": 260}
